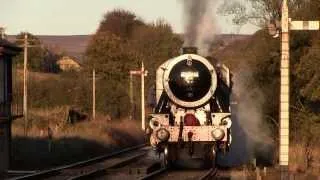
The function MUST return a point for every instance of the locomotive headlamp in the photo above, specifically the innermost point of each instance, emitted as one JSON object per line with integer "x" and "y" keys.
{"x": 163, "y": 134}
{"x": 218, "y": 134}
{"x": 226, "y": 122}
{"x": 189, "y": 76}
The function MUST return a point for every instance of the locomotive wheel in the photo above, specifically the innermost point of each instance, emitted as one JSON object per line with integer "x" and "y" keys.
{"x": 169, "y": 156}
{"x": 210, "y": 156}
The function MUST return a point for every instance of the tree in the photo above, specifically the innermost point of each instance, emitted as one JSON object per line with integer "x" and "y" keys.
{"x": 112, "y": 58}
{"x": 120, "y": 23}
{"x": 120, "y": 44}
{"x": 36, "y": 54}
{"x": 155, "y": 43}
{"x": 304, "y": 45}
{"x": 261, "y": 12}
{"x": 308, "y": 75}
{"x": 49, "y": 63}
{"x": 265, "y": 62}
{"x": 236, "y": 10}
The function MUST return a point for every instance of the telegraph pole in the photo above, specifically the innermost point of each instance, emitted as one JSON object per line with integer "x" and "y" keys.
{"x": 286, "y": 25}
{"x": 25, "y": 78}
{"x": 131, "y": 97}
{"x": 93, "y": 94}
{"x": 142, "y": 98}
{"x": 2, "y": 29}
{"x": 25, "y": 86}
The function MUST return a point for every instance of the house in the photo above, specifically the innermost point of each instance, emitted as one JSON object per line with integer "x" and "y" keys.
{"x": 69, "y": 63}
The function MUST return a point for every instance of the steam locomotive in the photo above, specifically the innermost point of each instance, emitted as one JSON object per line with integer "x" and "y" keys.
{"x": 192, "y": 115}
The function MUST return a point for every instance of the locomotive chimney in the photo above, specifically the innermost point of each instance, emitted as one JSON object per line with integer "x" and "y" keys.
{"x": 190, "y": 50}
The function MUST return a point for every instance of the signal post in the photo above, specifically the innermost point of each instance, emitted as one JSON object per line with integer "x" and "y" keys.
{"x": 286, "y": 25}
{"x": 142, "y": 73}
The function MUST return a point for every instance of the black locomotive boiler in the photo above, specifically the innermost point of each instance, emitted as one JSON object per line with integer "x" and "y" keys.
{"x": 193, "y": 112}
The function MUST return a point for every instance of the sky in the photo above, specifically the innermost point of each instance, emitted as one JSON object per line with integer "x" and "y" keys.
{"x": 77, "y": 17}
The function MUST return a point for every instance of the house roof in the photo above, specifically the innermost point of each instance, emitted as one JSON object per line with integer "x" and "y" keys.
{"x": 75, "y": 56}
{"x": 75, "y": 59}
{"x": 8, "y": 48}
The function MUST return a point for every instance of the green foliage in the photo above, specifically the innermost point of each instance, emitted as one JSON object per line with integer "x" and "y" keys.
{"x": 265, "y": 58}
{"x": 305, "y": 58}
{"x": 234, "y": 9}
{"x": 120, "y": 23}
{"x": 155, "y": 43}
{"x": 113, "y": 98}
{"x": 307, "y": 73}
{"x": 259, "y": 58}
{"x": 49, "y": 63}
{"x": 121, "y": 43}
{"x": 261, "y": 12}
{"x": 36, "y": 54}
{"x": 112, "y": 59}
{"x": 39, "y": 58}
{"x": 67, "y": 89}
{"x": 256, "y": 12}
{"x": 110, "y": 56}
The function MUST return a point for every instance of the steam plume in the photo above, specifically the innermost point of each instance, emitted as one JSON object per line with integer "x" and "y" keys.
{"x": 250, "y": 136}
{"x": 251, "y": 118}
{"x": 199, "y": 24}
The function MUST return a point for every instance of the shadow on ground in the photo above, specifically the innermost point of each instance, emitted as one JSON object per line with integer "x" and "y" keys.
{"x": 30, "y": 153}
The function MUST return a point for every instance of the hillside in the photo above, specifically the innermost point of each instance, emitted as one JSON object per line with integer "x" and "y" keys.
{"x": 76, "y": 45}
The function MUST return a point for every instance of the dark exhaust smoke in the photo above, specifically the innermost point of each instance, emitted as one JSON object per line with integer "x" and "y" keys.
{"x": 199, "y": 24}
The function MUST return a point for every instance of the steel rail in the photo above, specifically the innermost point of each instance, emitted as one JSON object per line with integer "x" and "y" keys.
{"x": 153, "y": 174}
{"x": 102, "y": 170}
{"x": 209, "y": 174}
{"x": 56, "y": 171}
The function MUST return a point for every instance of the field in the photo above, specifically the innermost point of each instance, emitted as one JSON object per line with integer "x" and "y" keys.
{"x": 69, "y": 143}
{"x": 48, "y": 108}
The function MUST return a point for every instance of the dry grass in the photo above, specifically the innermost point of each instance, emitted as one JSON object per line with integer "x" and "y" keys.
{"x": 299, "y": 161}
{"x": 90, "y": 138}
{"x": 70, "y": 143}
{"x": 39, "y": 76}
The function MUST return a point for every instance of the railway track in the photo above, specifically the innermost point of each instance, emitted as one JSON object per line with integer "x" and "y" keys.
{"x": 165, "y": 173}
{"x": 210, "y": 174}
{"x": 90, "y": 168}
{"x": 130, "y": 163}
{"x": 154, "y": 174}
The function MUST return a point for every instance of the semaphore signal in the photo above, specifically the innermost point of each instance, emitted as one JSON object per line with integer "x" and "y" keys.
{"x": 286, "y": 25}
{"x": 142, "y": 73}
